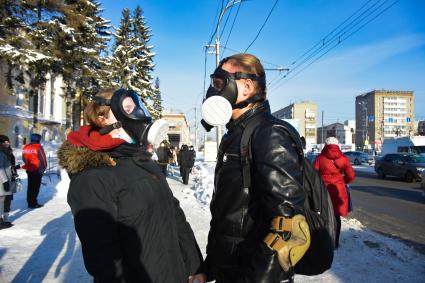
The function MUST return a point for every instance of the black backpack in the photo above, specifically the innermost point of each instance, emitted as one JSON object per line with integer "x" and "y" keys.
{"x": 318, "y": 205}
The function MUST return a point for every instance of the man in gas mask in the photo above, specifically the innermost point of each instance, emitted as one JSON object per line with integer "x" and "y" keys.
{"x": 130, "y": 226}
{"x": 250, "y": 216}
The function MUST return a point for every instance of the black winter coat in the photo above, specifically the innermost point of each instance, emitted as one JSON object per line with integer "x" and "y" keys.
{"x": 241, "y": 217}
{"x": 130, "y": 226}
{"x": 186, "y": 158}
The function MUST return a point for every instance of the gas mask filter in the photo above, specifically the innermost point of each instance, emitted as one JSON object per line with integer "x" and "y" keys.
{"x": 158, "y": 132}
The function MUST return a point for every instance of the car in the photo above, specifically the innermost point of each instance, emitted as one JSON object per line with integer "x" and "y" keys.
{"x": 423, "y": 182}
{"x": 405, "y": 165}
{"x": 358, "y": 157}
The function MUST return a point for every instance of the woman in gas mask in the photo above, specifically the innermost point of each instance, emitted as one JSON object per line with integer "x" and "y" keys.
{"x": 130, "y": 226}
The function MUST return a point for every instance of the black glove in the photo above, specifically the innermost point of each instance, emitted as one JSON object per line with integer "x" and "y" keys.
{"x": 6, "y": 186}
{"x": 18, "y": 166}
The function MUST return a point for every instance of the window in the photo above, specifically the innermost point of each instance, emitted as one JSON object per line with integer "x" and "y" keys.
{"x": 19, "y": 93}
{"x": 52, "y": 96}
{"x": 16, "y": 132}
{"x": 41, "y": 102}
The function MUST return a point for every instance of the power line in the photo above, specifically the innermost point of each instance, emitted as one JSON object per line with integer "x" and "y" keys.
{"x": 324, "y": 38}
{"x": 268, "y": 16}
{"x": 227, "y": 18}
{"x": 263, "y": 61}
{"x": 340, "y": 40}
{"x": 231, "y": 28}
{"x": 213, "y": 31}
{"x": 340, "y": 33}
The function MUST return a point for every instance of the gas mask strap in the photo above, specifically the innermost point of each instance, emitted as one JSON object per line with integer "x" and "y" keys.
{"x": 245, "y": 103}
{"x": 101, "y": 101}
{"x": 109, "y": 128}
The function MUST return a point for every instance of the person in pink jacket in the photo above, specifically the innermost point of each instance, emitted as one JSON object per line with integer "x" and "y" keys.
{"x": 336, "y": 172}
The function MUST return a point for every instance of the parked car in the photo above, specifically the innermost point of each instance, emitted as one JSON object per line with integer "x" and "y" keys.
{"x": 405, "y": 165}
{"x": 358, "y": 157}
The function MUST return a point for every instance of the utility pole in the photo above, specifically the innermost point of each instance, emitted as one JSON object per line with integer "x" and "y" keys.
{"x": 196, "y": 129}
{"x": 218, "y": 129}
{"x": 323, "y": 114}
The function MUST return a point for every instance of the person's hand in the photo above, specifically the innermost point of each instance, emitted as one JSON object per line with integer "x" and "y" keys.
{"x": 198, "y": 278}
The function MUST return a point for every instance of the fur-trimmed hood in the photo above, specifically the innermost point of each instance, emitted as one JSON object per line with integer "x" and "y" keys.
{"x": 75, "y": 159}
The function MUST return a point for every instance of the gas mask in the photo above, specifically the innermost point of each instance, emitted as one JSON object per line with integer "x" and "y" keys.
{"x": 221, "y": 98}
{"x": 133, "y": 117}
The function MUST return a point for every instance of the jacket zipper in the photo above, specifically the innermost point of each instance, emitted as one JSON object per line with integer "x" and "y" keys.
{"x": 229, "y": 154}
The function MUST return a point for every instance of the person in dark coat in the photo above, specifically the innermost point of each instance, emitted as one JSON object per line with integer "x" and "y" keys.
{"x": 336, "y": 172}
{"x": 131, "y": 227}
{"x": 164, "y": 154}
{"x": 8, "y": 153}
{"x": 186, "y": 161}
{"x": 243, "y": 218}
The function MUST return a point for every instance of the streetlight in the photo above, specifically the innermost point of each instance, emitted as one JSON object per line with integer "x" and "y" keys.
{"x": 363, "y": 104}
{"x": 217, "y": 54}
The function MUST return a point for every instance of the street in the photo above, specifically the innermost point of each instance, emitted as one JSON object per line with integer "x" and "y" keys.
{"x": 389, "y": 206}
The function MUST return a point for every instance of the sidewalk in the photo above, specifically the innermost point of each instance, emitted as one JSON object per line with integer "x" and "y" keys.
{"x": 42, "y": 245}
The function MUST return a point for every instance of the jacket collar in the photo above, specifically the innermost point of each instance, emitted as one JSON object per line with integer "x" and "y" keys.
{"x": 260, "y": 108}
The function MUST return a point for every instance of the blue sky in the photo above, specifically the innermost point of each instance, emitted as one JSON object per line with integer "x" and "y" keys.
{"x": 387, "y": 53}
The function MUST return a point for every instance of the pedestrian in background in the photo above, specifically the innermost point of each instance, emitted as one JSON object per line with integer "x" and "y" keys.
{"x": 164, "y": 155}
{"x": 186, "y": 161}
{"x": 35, "y": 164}
{"x": 173, "y": 159}
{"x": 336, "y": 172}
{"x": 6, "y": 149}
{"x": 151, "y": 150}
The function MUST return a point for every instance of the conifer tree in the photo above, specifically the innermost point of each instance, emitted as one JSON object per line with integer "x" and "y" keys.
{"x": 143, "y": 66}
{"x": 81, "y": 39}
{"x": 157, "y": 101}
{"x": 124, "y": 52}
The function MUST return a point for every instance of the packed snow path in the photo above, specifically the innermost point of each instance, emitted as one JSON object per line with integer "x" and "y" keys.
{"x": 42, "y": 245}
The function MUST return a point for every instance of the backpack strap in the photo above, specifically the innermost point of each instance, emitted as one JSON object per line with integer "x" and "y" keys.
{"x": 245, "y": 149}
{"x": 337, "y": 167}
{"x": 245, "y": 145}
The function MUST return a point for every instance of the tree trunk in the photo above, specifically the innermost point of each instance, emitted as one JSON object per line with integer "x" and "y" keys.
{"x": 35, "y": 108}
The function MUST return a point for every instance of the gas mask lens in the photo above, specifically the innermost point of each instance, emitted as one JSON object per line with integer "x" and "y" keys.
{"x": 128, "y": 105}
{"x": 133, "y": 107}
{"x": 218, "y": 83}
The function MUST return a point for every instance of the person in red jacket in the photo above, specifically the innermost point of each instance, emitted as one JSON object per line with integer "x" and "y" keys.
{"x": 35, "y": 165}
{"x": 336, "y": 172}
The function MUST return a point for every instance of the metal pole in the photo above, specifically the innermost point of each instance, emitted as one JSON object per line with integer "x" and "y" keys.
{"x": 196, "y": 130}
{"x": 218, "y": 129}
{"x": 323, "y": 114}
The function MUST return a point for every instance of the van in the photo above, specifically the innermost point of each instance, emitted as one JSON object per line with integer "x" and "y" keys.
{"x": 414, "y": 144}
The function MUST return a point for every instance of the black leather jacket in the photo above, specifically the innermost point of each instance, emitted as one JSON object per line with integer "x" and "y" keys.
{"x": 241, "y": 217}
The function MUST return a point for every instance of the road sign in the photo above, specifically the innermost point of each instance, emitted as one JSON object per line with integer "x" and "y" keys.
{"x": 408, "y": 119}
{"x": 371, "y": 118}
{"x": 390, "y": 120}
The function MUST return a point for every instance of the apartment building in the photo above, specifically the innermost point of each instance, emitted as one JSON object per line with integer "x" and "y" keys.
{"x": 305, "y": 115}
{"x": 381, "y": 114}
{"x": 344, "y": 132}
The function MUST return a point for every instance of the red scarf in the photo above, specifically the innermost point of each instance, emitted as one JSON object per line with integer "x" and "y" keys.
{"x": 85, "y": 136}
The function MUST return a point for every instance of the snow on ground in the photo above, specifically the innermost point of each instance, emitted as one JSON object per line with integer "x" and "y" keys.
{"x": 42, "y": 245}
